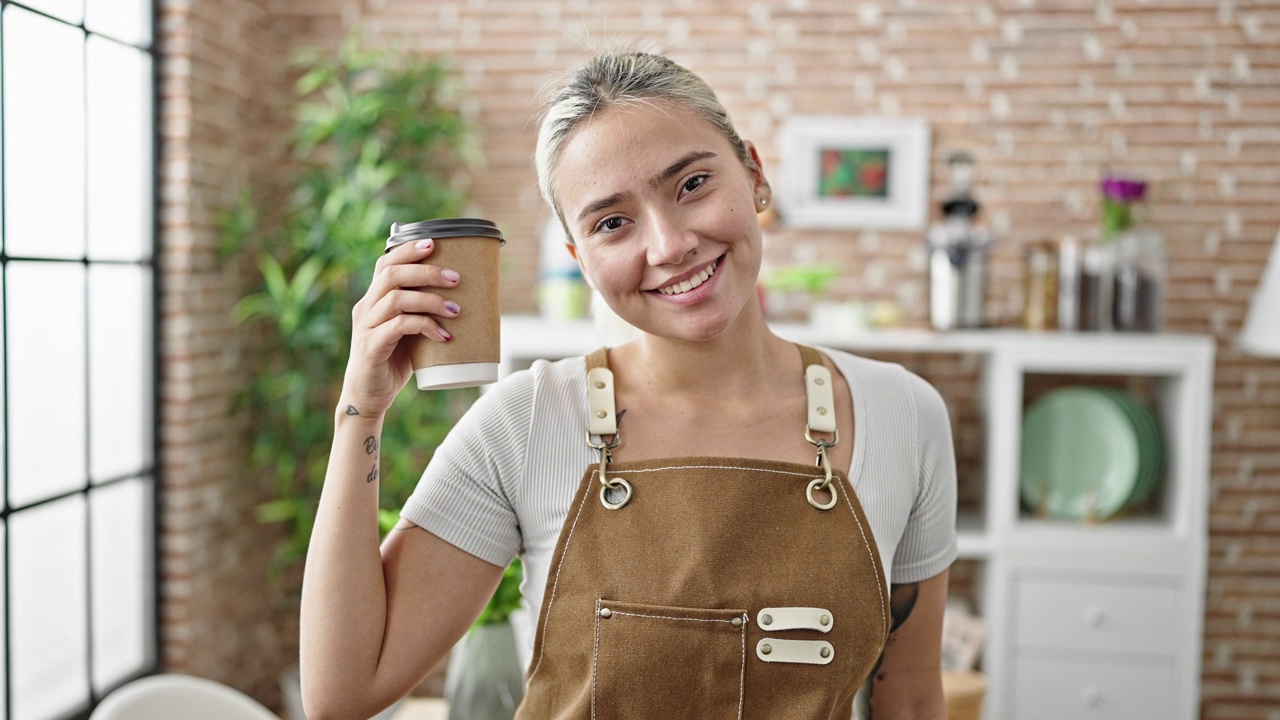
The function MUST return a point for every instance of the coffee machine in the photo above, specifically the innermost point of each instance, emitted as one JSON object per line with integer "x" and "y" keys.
{"x": 958, "y": 255}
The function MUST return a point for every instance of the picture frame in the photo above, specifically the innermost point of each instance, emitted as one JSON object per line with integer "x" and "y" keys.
{"x": 854, "y": 172}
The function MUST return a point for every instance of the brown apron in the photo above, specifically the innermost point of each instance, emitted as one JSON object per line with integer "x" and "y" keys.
{"x": 708, "y": 587}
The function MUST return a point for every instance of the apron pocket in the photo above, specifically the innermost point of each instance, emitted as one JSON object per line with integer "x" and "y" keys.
{"x": 656, "y": 661}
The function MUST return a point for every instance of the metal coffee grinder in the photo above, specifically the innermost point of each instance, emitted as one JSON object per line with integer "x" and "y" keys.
{"x": 958, "y": 253}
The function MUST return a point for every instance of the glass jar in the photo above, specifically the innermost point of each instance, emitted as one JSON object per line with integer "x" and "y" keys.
{"x": 1141, "y": 269}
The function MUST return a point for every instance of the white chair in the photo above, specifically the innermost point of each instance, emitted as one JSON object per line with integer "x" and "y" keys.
{"x": 174, "y": 697}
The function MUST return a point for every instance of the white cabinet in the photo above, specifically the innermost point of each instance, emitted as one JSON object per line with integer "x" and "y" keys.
{"x": 1084, "y": 620}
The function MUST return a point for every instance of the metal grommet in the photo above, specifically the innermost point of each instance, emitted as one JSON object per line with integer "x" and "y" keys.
{"x": 816, "y": 483}
{"x": 599, "y": 385}
{"x": 615, "y": 484}
{"x": 825, "y": 620}
{"x": 602, "y": 414}
{"x": 736, "y": 622}
{"x": 766, "y": 649}
{"x": 766, "y": 619}
{"x": 822, "y": 411}
{"x": 819, "y": 381}
{"x": 825, "y": 652}
{"x": 606, "y": 613}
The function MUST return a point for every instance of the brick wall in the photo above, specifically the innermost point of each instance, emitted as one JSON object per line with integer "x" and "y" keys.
{"x": 1045, "y": 93}
{"x": 221, "y": 610}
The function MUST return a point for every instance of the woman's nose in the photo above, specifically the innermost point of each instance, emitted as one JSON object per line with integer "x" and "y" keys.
{"x": 669, "y": 242}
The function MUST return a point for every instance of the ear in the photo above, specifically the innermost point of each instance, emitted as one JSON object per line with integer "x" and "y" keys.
{"x": 761, "y": 187}
{"x": 573, "y": 250}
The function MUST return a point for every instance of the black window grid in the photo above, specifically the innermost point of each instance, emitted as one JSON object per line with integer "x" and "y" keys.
{"x": 154, "y": 470}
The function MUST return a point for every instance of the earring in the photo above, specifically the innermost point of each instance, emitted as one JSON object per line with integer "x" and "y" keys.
{"x": 764, "y": 201}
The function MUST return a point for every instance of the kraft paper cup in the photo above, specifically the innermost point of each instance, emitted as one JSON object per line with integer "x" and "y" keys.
{"x": 470, "y": 246}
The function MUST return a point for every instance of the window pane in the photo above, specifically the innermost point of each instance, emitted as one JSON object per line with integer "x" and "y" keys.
{"x": 46, "y": 379}
{"x": 120, "y": 523}
{"x": 119, "y": 371}
{"x": 70, "y": 10}
{"x": 127, "y": 20}
{"x": 44, "y": 136}
{"x": 118, "y": 82}
{"x": 47, "y": 618}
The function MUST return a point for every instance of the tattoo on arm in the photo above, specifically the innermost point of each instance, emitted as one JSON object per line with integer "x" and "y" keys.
{"x": 373, "y": 474}
{"x": 370, "y": 445}
{"x": 351, "y": 410}
{"x": 902, "y": 600}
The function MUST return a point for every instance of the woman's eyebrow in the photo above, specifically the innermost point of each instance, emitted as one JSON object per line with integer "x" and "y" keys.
{"x": 603, "y": 203}
{"x": 679, "y": 165}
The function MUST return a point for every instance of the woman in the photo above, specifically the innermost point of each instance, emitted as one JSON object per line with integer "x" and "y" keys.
{"x": 714, "y": 522}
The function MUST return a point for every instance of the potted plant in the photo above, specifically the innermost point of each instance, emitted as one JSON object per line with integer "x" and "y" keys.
{"x": 375, "y": 140}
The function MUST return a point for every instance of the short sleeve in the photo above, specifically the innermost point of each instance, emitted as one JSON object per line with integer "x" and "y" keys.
{"x": 928, "y": 544}
{"x": 465, "y": 495}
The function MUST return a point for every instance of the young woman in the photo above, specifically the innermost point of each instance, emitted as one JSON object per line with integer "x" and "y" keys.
{"x": 714, "y": 521}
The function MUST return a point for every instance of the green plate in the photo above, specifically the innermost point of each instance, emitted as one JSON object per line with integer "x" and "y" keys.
{"x": 1150, "y": 442}
{"x": 1080, "y": 455}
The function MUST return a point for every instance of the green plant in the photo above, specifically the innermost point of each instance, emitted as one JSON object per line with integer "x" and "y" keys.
{"x": 375, "y": 140}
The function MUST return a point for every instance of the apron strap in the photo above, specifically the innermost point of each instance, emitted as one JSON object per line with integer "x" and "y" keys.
{"x": 818, "y": 388}
{"x": 603, "y": 418}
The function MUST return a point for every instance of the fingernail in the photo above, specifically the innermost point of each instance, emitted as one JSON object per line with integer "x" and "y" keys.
{"x": 424, "y": 244}
{"x": 447, "y": 337}
{"x": 450, "y": 275}
{"x": 452, "y": 307}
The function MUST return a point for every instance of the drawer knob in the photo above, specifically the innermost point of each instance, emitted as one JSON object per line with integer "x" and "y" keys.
{"x": 1094, "y": 617}
{"x": 1092, "y": 697}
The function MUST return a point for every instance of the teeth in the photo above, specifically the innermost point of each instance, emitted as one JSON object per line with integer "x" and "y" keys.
{"x": 691, "y": 283}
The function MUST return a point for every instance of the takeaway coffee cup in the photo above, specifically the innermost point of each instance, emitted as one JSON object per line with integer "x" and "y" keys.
{"x": 470, "y": 246}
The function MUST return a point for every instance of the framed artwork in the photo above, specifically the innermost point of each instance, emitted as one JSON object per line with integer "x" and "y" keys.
{"x": 854, "y": 172}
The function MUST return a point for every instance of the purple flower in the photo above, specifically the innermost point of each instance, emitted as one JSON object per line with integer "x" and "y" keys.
{"x": 1122, "y": 190}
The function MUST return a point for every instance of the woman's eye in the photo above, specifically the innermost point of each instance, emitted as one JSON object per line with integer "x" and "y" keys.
{"x": 693, "y": 183}
{"x": 610, "y": 224}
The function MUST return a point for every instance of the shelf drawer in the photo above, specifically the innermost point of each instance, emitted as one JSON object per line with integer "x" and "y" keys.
{"x": 1054, "y": 690}
{"x": 1122, "y": 617}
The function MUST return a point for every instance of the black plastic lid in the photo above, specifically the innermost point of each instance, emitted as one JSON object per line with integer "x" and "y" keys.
{"x": 443, "y": 228}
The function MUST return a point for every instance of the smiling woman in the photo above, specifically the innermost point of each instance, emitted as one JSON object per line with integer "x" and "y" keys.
{"x": 699, "y": 564}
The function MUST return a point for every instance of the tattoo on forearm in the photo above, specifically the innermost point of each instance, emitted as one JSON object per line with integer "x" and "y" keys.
{"x": 373, "y": 474}
{"x": 370, "y": 445}
{"x": 351, "y": 410}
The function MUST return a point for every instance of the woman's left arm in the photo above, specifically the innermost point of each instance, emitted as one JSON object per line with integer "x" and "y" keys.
{"x": 907, "y": 683}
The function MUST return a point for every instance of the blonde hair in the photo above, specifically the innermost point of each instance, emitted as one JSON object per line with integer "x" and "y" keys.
{"x": 618, "y": 79}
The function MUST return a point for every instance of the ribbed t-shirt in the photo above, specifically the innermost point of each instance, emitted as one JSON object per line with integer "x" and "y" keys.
{"x": 502, "y": 482}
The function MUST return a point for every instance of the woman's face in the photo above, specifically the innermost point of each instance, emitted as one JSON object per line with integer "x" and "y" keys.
{"x": 663, "y": 216}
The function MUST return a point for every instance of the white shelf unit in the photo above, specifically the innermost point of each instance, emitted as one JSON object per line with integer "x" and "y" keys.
{"x": 1101, "y": 621}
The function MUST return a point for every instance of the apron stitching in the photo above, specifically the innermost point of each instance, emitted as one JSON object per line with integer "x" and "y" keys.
{"x": 668, "y": 617}
{"x": 715, "y": 467}
{"x": 742, "y": 669}
{"x": 595, "y": 662}
{"x": 879, "y": 587}
{"x": 544, "y": 619}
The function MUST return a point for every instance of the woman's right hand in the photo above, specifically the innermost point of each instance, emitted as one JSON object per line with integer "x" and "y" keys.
{"x": 398, "y": 305}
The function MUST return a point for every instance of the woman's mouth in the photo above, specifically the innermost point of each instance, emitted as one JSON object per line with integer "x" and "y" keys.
{"x": 685, "y": 286}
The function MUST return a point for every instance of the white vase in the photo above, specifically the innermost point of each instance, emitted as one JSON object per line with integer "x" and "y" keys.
{"x": 484, "y": 680}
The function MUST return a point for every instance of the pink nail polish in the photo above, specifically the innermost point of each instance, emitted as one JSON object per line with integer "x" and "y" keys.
{"x": 447, "y": 337}
{"x": 450, "y": 275}
{"x": 424, "y": 244}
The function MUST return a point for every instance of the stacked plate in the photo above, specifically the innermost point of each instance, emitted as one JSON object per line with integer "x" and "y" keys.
{"x": 1089, "y": 453}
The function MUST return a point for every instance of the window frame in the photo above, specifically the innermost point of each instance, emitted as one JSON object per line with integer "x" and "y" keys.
{"x": 151, "y": 473}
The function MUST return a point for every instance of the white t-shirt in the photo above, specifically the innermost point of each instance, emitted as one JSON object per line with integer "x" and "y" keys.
{"x": 502, "y": 482}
